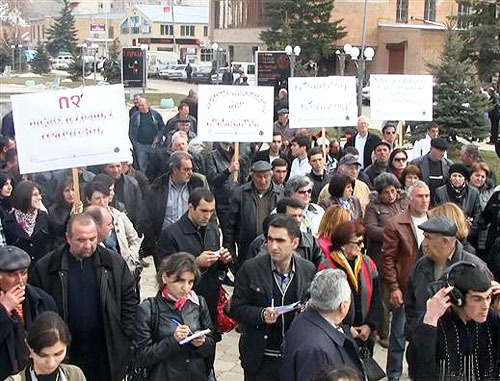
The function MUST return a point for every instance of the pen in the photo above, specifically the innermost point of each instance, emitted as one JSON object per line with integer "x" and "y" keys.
{"x": 272, "y": 302}
{"x": 178, "y": 323}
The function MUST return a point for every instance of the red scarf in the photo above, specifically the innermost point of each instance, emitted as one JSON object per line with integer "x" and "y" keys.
{"x": 179, "y": 302}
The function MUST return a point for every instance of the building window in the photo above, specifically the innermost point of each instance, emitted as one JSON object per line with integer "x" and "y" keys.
{"x": 134, "y": 24}
{"x": 124, "y": 28}
{"x": 402, "y": 11}
{"x": 206, "y": 55}
{"x": 166, "y": 30}
{"x": 430, "y": 10}
{"x": 43, "y": 32}
{"x": 230, "y": 14}
{"x": 146, "y": 26}
{"x": 462, "y": 15}
{"x": 205, "y": 31}
{"x": 187, "y": 30}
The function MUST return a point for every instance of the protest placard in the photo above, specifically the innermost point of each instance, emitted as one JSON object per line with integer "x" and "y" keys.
{"x": 235, "y": 113}
{"x": 401, "y": 97}
{"x": 71, "y": 128}
{"x": 322, "y": 102}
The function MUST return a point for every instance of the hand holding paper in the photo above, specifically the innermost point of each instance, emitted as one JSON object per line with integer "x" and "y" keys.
{"x": 194, "y": 336}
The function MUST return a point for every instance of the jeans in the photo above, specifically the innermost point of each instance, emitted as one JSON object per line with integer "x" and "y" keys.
{"x": 144, "y": 153}
{"x": 397, "y": 343}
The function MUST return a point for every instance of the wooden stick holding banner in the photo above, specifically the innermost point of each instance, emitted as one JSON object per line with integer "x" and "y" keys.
{"x": 323, "y": 142}
{"x": 236, "y": 159}
{"x": 401, "y": 133}
{"x": 76, "y": 189}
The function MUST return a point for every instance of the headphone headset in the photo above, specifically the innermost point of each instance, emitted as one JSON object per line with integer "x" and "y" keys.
{"x": 457, "y": 297}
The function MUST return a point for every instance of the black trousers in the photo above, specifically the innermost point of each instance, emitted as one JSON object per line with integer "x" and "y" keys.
{"x": 495, "y": 120}
{"x": 270, "y": 370}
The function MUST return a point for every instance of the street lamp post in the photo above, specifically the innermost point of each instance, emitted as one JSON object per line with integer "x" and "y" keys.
{"x": 292, "y": 53}
{"x": 13, "y": 47}
{"x": 20, "y": 57}
{"x": 215, "y": 56}
{"x": 341, "y": 54}
{"x": 359, "y": 58}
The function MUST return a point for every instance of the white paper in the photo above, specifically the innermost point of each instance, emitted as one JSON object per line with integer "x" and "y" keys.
{"x": 194, "y": 336}
{"x": 71, "y": 128}
{"x": 287, "y": 308}
{"x": 235, "y": 113}
{"x": 322, "y": 102}
{"x": 401, "y": 97}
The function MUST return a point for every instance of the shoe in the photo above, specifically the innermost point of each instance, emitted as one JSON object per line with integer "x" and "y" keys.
{"x": 144, "y": 263}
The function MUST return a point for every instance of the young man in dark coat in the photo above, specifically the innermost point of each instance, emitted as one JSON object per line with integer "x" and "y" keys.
{"x": 317, "y": 338}
{"x": 20, "y": 304}
{"x": 263, "y": 283}
{"x": 95, "y": 295}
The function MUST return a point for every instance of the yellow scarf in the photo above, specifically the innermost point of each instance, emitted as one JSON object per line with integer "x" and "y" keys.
{"x": 339, "y": 258}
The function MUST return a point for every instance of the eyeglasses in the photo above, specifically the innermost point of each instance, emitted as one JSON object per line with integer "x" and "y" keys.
{"x": 400, "y": 159}
{"x": 358, "y": 243}
{"x": 304, "y": 191}
{"x": 390, "y": 132}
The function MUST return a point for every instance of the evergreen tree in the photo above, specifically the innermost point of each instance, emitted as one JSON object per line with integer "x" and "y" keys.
{"x": 41, "y": 62}
{"x": 481, "y": 36}
{"x": 75, "y": 69}
{"x": 305, "y": 23}
{"x": 459, "y": 106}
{"x": 112, "y": 66}
{"x": 62, "y": 35}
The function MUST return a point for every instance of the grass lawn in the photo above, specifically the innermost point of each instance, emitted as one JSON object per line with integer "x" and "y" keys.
{"x": 38, "y": 80}
{"x": 490, "y": 157}
{"x": 155, "y": 98}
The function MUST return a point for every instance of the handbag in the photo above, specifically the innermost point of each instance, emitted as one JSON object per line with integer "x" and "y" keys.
{"x": 373, "y": 370}
{"x": 224, "y": 322}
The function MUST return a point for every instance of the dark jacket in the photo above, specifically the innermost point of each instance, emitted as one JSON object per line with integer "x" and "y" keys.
{"x": 36, "y": 302}
{"x": 135, "y": 122}
{"x": 117, "y": 297}
{"x": 242, "y": 217}
{"x": 491, "y": 217}
{"x": 371, "y": 141}
{"x": 312, "y": 344}
{"x": 159, "y": 163}
{"x": 319, "y": 181}
{"x": 132, "y": 198}
{"x": 308, "y": 248}
{"x": 153, "y": 212}
{"x": 252, "y": 292}
{"x": 154, "y": 343}
{"x": 264, "y": 156}
{"x": 417, "y": 292}
{"x": 423, "y": 164}
{"x": 172, "y": 124}
{"x": 184, "y": 236}
{"x": 469, "y": 203}
{"x": 220, "y": 179}
{"x": 375, "y": 169}
{"x": 140, "y": 177}
{"x": 36, "y": 245}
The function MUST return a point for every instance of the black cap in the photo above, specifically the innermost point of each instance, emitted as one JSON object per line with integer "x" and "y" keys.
{"x": 13, "y": 258}
{"x": 460, "y": 168}
{"x": 439, "y": 143}
{"x": 439, "y": 225}
{"x": 349, "y": 159}
{"x": 382, "y": 142}
{"x": 261, "y": 166}
{"x": 283, "y": 110}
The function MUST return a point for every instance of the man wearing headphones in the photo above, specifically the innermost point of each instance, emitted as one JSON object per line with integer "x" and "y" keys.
{"x": 442, "y": 250}
{"x": 458, "y": 338}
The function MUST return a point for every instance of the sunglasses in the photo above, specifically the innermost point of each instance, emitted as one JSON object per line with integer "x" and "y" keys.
{"x": 358, "y": 242}
{"x": 400, "y": 159}
{"x": 390, "y": 132}
{"x": 304, "y": 191}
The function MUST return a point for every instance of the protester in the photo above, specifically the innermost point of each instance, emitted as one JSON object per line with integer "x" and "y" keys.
{"x": 318, "y": 175}
{"x": 434, "y": 167}
{"x": 283, "y": 125}
{"x": 364, "y": 141}
{"x": 401, "y": 241}
{"x": 27, "y": 225}
{"x": 145, "y": 128}
{"x": 300, "y": 188}
{"x": 60, "y": 211}
{"x": 20, "y": 304}
{"x": 389, "y": 134}
{"x": 183, "y": 113}
{"x": 456, "y": 339}
{"x": 192, "y": 101}
{"x": 398, "y": 161}
{"x": 410, "y": 175}
{"x": 93, "y": 285}
{"x": 135, "y": 107}
{"x": 136, "y": 174}
{"x": 318, "y": 338}
{"x": 5, "y": 195}
{"x": 47, "y": 340}
{"x": 333, "y": 217}
{"x": 280, "y": 172}
{"x": 333, "y": 155}
{"x": 250, "y": 204}
{"x": 493, "y": 114}
{"x": 196, "y": 235}
{"x": 478, "y": 179}
{"x": 263, "y": 283}
{"x": 458, "y": 191}
{"x": 275, "y": 149}
{"x": 423, "y": 146}
{"x": 341, "y": 193}
{"x": 442, "y": 249}
{"x": 300, "y": 164}
{"x": 166, "y": 200}
{"x": 281, "y": 102}
{"x": 381, "y": 164}
{"x": 366, "y": 307}
{"x": 171, "y": 316}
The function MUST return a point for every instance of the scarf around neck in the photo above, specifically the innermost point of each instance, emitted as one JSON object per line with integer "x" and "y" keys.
{"x": 179, "y": 302}
{"x": 456, "y": 194}
{"x": 26, "y": 220}
{"x": 339, "y": 258}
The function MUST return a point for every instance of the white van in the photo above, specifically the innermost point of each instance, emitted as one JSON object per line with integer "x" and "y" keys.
{"x": 63, "y": 61}
{"x": 246, "y": 67}
{"x": 160, "y": 60}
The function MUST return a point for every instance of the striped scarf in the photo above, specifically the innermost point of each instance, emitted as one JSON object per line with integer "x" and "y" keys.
{"x": 339, "y": 258}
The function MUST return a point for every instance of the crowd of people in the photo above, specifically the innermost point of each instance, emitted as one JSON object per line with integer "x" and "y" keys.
{"x": 328, "y": 253}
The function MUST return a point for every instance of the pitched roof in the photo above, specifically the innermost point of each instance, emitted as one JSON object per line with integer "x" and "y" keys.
{"x": 182, "y": 14}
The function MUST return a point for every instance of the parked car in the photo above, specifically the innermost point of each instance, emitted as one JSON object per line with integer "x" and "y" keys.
{"x": 63, "y": 61}
{"x": 203, "y": 74}
{"x": 175, "y": 72}
{"x": 365, "y": 94}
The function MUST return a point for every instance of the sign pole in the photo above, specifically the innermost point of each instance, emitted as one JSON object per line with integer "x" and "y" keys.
{"x": 401, "y": 132}
{"x": 76, "y": 189}
{"x": 236, "y": 159}
{"x": 323, "y": 142}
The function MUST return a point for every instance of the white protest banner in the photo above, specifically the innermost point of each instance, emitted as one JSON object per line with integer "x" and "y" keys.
{"x": 322, "y": 102}
{"x": 71, "y": 128}
{"x": 401, "y": 97}
{"x": 235, "y": 113}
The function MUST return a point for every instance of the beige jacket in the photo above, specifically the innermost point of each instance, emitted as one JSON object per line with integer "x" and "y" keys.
{"x": 128, "y": 239}
{"x": 69, "y": 373}
{"x": 361, "y": 191}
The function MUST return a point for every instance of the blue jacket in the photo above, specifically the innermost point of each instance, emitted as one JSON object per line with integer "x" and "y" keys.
{"x": 135, "y": 122}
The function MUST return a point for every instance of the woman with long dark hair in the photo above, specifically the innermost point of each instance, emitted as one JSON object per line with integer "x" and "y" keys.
{"x": 60, "y": 211}
{"x": 5, "y": 195}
